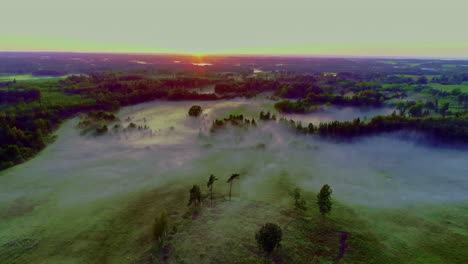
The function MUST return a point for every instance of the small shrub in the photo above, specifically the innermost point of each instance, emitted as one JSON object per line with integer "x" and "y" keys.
{"x": 160, "y": 228}
{"x": 324, "y": 199}
{"x": 195, "y": 110}
{"x": 269, "y": 237}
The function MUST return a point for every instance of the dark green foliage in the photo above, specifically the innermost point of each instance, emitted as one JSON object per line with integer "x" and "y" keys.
{"x": 324, "y": 199}
{"x": 269, "y": 237}
{"x": 195, "y": 196}
{"x": 362, "y": 98}
{"x": 266, "y": 116}
{"x": 444, "y": 108}
{"x": 195, "y": 110}
{"x": 160, "y": 227}
{"x": 299, "y": 202}
{"x": 102, "y": 115}
{"x": 449, "y": 129}
{"x": 233, "y": 120}
{"x": 416, "y": 110}
{"x": 96, "y": 122}
{"x": 287, "y": 106}
{"x": 19, "y": 96}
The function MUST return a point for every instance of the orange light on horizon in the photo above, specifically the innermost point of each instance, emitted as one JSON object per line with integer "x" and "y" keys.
{"x": 201, "y": 64}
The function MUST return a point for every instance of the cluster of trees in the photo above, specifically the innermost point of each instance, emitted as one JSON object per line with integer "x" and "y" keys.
{"x": 445, "y": 129}
{"x": 362, "y": 98}
{"x": 267, "y": 116}
{"x": 448, "y": 79}
{"x": 112, "y": 91}
{"x": 324, "y": 202}
{"x": 297, "y": 86}
{"x": 246, "y": 88}
{"x": 97, "y": 122}
{"x": 269, "y": 236}
{"x": 7, "y": 84}
{"x": 299, "y": 106}
{"x": 19, "y": 96}
{"x": 48, "y": 73}
{"x": 420, "y": 109}
{"x": 234, "y": 120}
{"x": 445, "y": 79}
{"x": 21, "y": 136}
{"x": 195, "y": 197}
{"x": 160, "y": 226}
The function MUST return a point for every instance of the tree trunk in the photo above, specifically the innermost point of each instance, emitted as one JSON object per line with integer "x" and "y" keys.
{"x": 211, "y": 195}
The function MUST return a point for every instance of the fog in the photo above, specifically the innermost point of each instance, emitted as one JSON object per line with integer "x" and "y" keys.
{"x": 77, "y": 180}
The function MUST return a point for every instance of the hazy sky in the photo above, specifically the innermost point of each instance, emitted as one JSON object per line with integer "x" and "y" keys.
{"x": 340, "y": 27}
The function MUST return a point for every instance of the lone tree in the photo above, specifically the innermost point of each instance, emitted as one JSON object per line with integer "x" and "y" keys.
{"x": 299, "y": 202}
{"x": 209, "y": 184}
{"x": 160, "y": 228}
{"x": 324, "y": 200}
{"x": 269, "y": 237}
{"x": 195, "y": 195}
{"x": 230, "y": 180}
{"x": 195, "y": 110}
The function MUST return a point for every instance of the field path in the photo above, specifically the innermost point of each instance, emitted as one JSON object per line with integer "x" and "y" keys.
{"x": 343, "y": 246}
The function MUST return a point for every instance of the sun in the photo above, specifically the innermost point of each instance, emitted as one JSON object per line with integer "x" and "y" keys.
{"x": 198, "y": 56}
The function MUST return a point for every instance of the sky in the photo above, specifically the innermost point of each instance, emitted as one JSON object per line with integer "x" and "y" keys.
{"x": 404, "y": 28}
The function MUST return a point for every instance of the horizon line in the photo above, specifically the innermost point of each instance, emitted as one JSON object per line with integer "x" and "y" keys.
{"x": 196, "y": 54}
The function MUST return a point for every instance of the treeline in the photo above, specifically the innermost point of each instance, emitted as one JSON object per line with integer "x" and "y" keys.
{"x": 112, "y": 91}
{"x": 297, "y": 86}
{"x": 48, "y": 73}
{"x": 246, "y": 88}
{"x": 363, "y": 98}
{"x": 445, "y": 79}
{"x": 444, "y": 129}
{"x": 19, "y": 96}
{"x": 23, "y": 133}
{"x": 233, "y": 120}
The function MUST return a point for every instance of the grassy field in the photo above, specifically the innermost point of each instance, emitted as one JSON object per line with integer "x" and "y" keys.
{"x": 448, "y": 88}
{"x": 51, "y": 96}
{"x": 224, "y": 233}
{"x": 416, "y": 77}
{"x": 27, "y": 77}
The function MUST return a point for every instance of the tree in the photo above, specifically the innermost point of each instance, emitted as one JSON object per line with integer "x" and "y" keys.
{"x": 160, "y": 228}
{"x": 324, "y": 200}
{"x": 195, "y": 110}
{"x": 444, "y": 108}
{"x": 230, "y": 180}
{"x": 402, "y": 107}
{"x": 299, "y": 202}
{"x": 195, "y": 195}
{"x": 269, "y": 237}
{"x": 422, "y": 80}
{"x": 416, "y": 110}
{"x": 209, "y": 184}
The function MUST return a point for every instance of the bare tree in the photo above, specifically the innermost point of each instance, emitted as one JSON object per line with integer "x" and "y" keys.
{"x": 209, "y": 184}
{"x": 195, "y": 195}
{"x": 230, "y": 180}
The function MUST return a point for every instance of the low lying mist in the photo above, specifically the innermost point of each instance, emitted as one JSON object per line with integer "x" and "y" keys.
{"x": 90, "y": 177}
